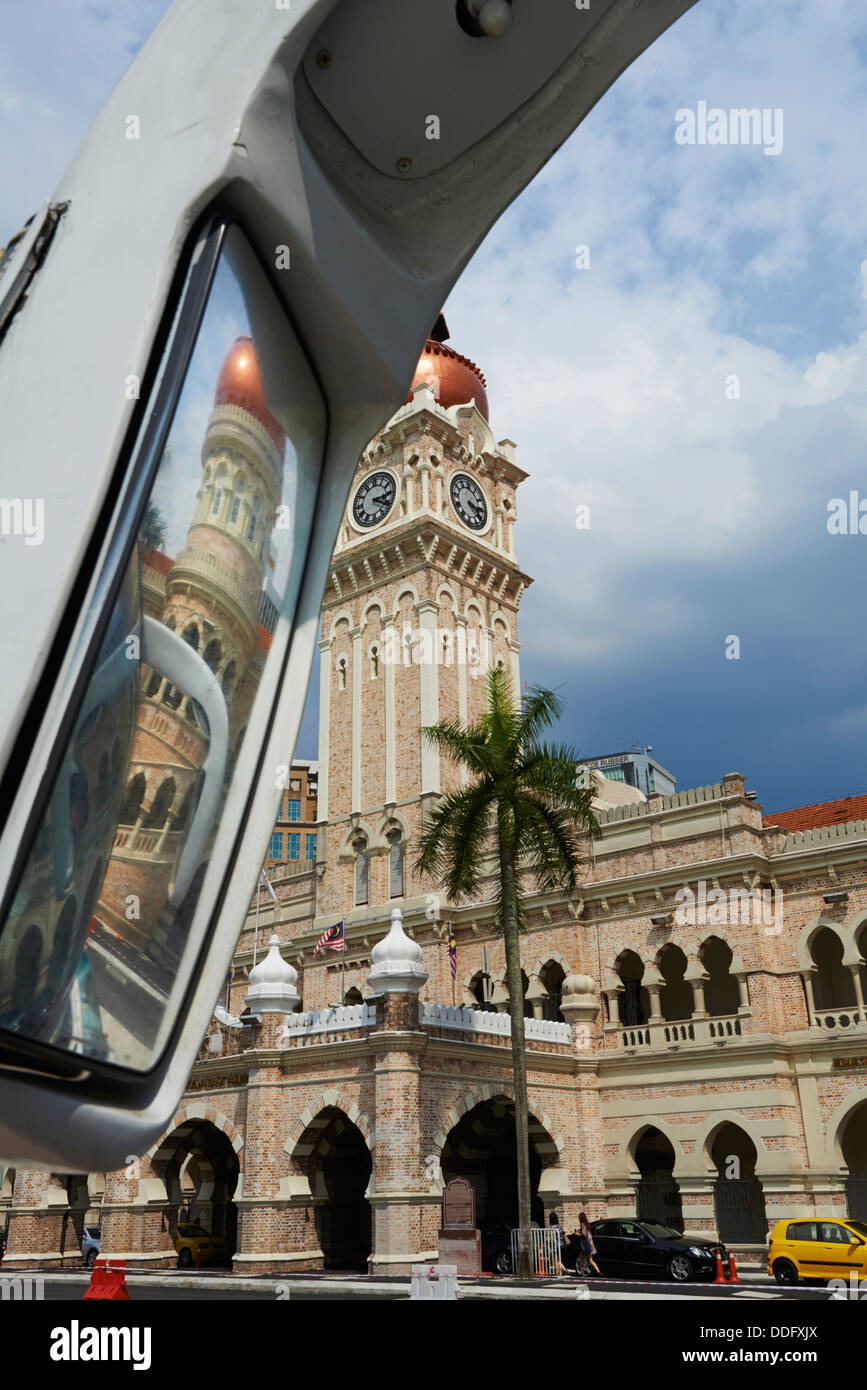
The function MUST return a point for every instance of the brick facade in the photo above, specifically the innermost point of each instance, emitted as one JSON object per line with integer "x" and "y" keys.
{"x": 695, "y": 1014}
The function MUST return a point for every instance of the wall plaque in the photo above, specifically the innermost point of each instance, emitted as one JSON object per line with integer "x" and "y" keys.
{"x": 459, "y": 1206}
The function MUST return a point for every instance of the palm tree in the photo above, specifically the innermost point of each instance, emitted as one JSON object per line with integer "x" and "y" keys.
{"x": 152, "y": 532}
{"x": 525, "y": 798}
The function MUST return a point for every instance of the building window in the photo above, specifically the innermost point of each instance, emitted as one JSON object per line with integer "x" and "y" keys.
{"x": 341, "y": 673}
{"x": 360, "y": 871}
{"x": 551, "y": 977}
{"x": 374, "y": 663}
{"x": 395, "y": 865}
{"x": 311, "y": 847}
{"x": 633, "y": 1000}
{"x": 254, "y": 519}
{"x": 276, "y": 846}
{"x": 293, "y": 846}
{"x": 293, "y": 810}
{"x": 236, "y": 500}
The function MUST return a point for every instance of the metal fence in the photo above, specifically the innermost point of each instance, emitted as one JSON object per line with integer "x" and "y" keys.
{"x": 544, "y": 1250}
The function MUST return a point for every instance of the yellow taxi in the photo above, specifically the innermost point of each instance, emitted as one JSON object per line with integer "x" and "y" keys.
{"x": 195, "y": 1245}
{"x": 818, "y": 1250}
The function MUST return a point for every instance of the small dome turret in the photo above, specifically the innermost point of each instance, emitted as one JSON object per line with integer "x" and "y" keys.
{"x": 273, "y": 984}
{"x": 396, "y": 962}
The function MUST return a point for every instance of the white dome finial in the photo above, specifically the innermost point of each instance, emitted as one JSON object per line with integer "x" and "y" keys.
{"x": 396, "y": 962}
{"x": 273, "y": 983}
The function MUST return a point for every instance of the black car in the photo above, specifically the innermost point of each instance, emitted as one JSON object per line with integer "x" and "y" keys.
{"x": 649, "y": 1250}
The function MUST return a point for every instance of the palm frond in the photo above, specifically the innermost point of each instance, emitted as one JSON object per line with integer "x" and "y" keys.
{"x": 454, "y": 837}
{"x": 539, "y": 711}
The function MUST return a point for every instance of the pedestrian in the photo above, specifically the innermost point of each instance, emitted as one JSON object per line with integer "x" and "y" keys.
{"x": 559, "y": 1241}
{"x": 586, "y": 1247}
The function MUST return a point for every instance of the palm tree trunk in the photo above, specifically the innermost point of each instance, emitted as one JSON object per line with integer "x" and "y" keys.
{"x": 519, "y": 1056}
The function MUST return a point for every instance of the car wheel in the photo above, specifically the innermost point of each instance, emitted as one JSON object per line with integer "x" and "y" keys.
{"x": 503, "y": 1263}
{"x": 185, "y": 1258}
{"x": 680, "y": 1268}
{"x": 90, "y": 1259}
{"x": 785, "y": 1272}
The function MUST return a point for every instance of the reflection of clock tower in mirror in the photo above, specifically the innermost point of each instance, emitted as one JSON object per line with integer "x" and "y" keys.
{"x": 214, "y": 595}
{"x": 422, "y": 598}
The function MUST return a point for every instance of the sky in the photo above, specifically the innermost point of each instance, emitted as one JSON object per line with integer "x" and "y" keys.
{"x": 696, "y": 378}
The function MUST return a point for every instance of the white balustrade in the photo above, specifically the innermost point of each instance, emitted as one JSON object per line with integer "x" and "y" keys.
{"x": 336, "y": 1020}
{"x": 463, "y": 1020}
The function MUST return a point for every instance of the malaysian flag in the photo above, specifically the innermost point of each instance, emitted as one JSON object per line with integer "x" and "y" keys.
{"x": 453, "y": 952}
{"x": 332, "y": 939}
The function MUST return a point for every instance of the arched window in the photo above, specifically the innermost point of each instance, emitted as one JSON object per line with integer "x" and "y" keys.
{"x": 229, "y": 680}
{"x": 374, "y": 663}
{"x": 551, "y": 977}
{"x": 739, "y": 1201}
{"x": 675, "y": 997}
{"x": 191, "y": 636}
{"x": 237, "y": 497}
{"x": 79, "y": 811}
{"x": 721, "y": 993}
{"x": 187, "y": 806}
{"x": 395, "y": 865}
{"x": 526, "y": 1004}
{"x": 481, "y": 988}
{"x": 833, "y": 986}
{"x": 156, "y": 816}
{"x": 219, "y": 489}
{"x": 254, "y": 518}
{"x": 341, "y": 673}
{"x": 657, "y": 1196}
{"x": 353, "y": 996}
{"x": 361, "y": 867}
{"x": 213, "y": 654}
{"x": 129, "y": 811}
{"x": 634, "y": 1001}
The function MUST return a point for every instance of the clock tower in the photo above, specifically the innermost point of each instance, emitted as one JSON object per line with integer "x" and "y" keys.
{"x": 422, "y": 600}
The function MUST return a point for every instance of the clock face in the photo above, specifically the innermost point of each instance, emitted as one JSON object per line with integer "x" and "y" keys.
{"x": 374, "y": 499}
{"x": 468, "y": 501}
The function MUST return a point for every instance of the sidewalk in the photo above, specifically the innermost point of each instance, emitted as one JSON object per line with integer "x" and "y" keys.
{"x": 486, "y": 1288}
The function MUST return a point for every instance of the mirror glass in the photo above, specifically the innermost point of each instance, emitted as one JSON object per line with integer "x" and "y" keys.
{"x": 112, "y": 906}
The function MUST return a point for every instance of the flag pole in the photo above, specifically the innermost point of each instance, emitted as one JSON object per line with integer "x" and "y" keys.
{"x": 343, "y": 967}
{"x": 256, "y": 931}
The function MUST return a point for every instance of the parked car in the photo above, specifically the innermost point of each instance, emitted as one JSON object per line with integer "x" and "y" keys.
{"x": 649, "y": 1250}
{"x": 90, "y": 1242}
{"x": 193, "y": 1240}
{"x": 818, "y": 1250}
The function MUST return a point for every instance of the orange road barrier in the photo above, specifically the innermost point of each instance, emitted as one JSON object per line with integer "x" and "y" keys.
{"x": 108, "y": 1282}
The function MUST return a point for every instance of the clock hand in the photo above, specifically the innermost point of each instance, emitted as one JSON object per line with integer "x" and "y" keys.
{"x": 375, "y": 496}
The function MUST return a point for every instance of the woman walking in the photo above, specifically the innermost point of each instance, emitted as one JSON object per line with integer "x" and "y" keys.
{"x": 586, "y": 1247}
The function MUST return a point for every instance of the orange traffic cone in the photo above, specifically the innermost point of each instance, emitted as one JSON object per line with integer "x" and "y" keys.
{"x": 733, "y": 1271}
{"x": 719, "y": 1277}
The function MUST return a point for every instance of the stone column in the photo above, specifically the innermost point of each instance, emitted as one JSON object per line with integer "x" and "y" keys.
{"x": 35, "y": 1217}
{"x": 324, "y": 719}
{"x": 400, "y": 1189}
{"x": 356, "y": 716}
{"x": 859, "y": 992}
{"x": 389, "y": 648}
{"x": 268, "y": 1227}
{"x": 428, "y": 612}
{"x": 134, "y": 1218}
